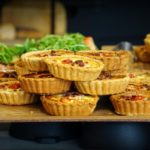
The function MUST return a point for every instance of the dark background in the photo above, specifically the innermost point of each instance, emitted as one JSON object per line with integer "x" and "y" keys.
{"x": 109, "y": 22}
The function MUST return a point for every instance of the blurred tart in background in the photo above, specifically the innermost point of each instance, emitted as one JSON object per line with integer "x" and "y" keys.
{"x": 143, "y": 54}
{"x": 113, "y": 60}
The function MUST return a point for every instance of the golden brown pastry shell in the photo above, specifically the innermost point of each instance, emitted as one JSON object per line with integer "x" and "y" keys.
{"x": 44, "y": 85}
{"x": 130, "y": 108}
{"x": 74, "y": 73}
{"x": 103, "y": 87}
{"x": 57, "y": 108}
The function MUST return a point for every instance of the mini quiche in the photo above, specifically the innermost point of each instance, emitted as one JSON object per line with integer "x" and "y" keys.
{"x": 113, "y": 60}
{"x": 143, "y": 54}
{"x": 69, "y": 104}
{"x": 11, "y": 93}
{"x": 34, "y": 60}
{"x": 43, "y": 83}
{"x": 131, "y": 103}
{"x": 74, "y": 68}
{"x": 105, "y": 84}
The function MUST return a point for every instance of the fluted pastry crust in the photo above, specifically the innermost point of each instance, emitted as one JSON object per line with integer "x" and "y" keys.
{"x": 34, "y": 60}
{"x": 82, "y": 107}
{"x": 103, "y": 87}
{"x": 113, "y": 60}
{"x": 74, "y": 73}
{"x": 129, "y": 107}
{"x": 50, "y": 85}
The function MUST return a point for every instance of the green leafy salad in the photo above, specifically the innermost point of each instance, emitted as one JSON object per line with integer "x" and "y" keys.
{"x": 73, "y": 42}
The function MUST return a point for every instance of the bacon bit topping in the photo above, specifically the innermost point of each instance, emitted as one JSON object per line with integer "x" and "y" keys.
{"x": 53, "y": 53}
{"x": 49, "y": 96}
{"x": 131, "y": 75}
{"x": 44, "y": 75}
{"x": 105, "y": 75}
{"x": 8, "y": 75}
{"x": 67, "y": 61}
{"x": 79, "y": 63}
{"x": 2, "y": 74}
{"x": 14, "y": 86}
{"x": 29, "y": 75}
{"x": 133, "y": 97}
{"x": 41, "y": 55}
{"x": 45, "y": 54}
{"x": 3, "y": 86}
{"x": 38, "y": 75}
{"x": 67, "y": 94}
{"x": 146, "y": 86}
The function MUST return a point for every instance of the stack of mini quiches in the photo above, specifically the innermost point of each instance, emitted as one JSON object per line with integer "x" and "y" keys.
{"x": 113, "y": 78}
{"x": 51, "y": 74}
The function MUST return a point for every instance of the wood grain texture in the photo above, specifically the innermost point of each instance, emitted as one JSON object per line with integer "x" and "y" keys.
{"x": 35, "y": 113}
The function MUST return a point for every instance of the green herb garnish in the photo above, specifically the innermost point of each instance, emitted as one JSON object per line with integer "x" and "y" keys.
{"x": 73, "y": 42}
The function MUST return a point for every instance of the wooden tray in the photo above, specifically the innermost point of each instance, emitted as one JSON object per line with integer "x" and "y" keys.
{"x": 35, "y": 113}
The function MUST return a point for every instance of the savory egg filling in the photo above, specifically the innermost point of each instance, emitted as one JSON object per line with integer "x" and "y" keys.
{"x": 134, "y": 97}
{"x": 43, "y": 54}
{"x": 70, "y": 97}
{"x": 76, "y": 62}
{"x": 38, "y": 75}
{"x": 136, "y": 87}
{"x": 6, "y": 87}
